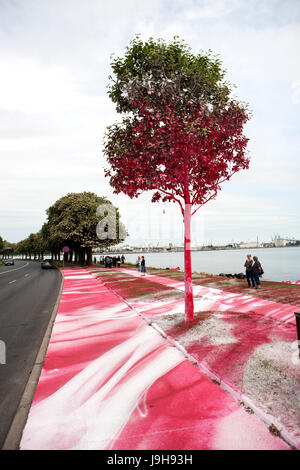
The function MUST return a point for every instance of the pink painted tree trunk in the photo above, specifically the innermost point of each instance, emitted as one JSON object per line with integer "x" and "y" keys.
{"x": 189, "y": 302}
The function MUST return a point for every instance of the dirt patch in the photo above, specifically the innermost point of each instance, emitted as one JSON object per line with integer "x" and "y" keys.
{"x": 274, "y": 291}
{"x": 272, "y": 380}
{"x": 132, "y": 288}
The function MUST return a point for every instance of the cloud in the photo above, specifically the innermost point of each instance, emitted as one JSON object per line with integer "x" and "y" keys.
{"x": 296, "y": 92}
{"x": 54, "y": 60}
{"x": 208, "y": 9}
{"x": 30, "y": 87}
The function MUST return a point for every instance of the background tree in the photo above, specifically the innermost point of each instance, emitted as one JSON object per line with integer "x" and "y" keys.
{"x": 8, "y": 249}
{"x": 182, "y": 134}
{"x": 49, "y": 243}
{"x": 1, "y": 245}
{"x": 27, "y": 247}
{"x": 73, "y": 221}
{"x": 21, "y": 249}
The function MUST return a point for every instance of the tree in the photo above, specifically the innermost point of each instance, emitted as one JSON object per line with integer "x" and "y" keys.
{"x": 182, "y": 133}
{"x": 27, "y": 246}
{"x": 8, "y": 249}
{"x": 21, "y": 248}
{"x": 73, "y": 221}
{"x": 1, "y": 245}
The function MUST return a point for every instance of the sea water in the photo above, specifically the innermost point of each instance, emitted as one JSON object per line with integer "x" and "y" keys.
{"x": 279, "y": 264}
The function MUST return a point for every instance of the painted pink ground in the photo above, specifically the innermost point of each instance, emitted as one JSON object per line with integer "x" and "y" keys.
{"x": 237, "y": 347}
{"x": 217, "y": 299}
{"x": 110, "y": 381}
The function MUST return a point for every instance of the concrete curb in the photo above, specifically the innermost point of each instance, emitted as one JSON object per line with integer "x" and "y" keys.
{"x": 269, "y": 420}
{"x": 15, "y": 432}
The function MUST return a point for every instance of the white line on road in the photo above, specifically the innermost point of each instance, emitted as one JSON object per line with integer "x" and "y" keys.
{"x": 12, "y": 281}
{"x": 16, "y": 269}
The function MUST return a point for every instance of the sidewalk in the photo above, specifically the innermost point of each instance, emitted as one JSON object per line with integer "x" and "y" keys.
{"x": 111, "y": 381}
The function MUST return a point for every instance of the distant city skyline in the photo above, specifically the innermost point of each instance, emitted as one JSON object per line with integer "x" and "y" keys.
{"x": 55, "y": 62}
{"x": 282, "y": 241}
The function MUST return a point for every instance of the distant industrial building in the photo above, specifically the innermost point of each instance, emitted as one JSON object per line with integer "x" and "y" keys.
{"x": 280, "y": 242}
{"x": 249, "y": 245}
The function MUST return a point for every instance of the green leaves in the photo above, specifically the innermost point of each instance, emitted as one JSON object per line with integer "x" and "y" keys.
{"x": 162, "y": 73}
{"x": 73, "y": 220}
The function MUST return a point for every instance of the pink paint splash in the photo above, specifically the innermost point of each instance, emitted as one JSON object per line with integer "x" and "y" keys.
{"x": 225, "y": 357}
{"x": 110, "y": 381}
{"x": 216, "y": 299}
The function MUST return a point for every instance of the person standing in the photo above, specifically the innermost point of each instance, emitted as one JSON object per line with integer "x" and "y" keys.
{"x": 143, "y": 265}
{"x": 118, "y": 261}
{"x": 122, "y": 259}
{"x": 138, "y": 264}
{"x": 256, "y": 272}
{"x": 249, "y": 275}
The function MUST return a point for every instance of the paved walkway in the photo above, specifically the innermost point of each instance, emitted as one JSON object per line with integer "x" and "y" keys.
{"x": 111, "y": 381}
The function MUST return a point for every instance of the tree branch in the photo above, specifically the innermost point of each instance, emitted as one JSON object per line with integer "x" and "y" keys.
{"x": 173, "y": 197}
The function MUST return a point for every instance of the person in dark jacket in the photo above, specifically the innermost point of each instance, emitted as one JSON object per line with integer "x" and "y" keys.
{"x": 249, "y": 275}
{"x": 256, "y": 272}
{"x": 143, "y": 265}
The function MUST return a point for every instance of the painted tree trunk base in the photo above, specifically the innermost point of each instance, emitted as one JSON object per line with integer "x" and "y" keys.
{"x": 189, "y": 302}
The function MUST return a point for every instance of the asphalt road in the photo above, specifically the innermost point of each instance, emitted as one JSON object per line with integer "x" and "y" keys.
{"x": 27, "y": 297}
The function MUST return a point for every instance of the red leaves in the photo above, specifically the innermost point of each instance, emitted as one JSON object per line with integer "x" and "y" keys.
{"x": 174, "y": 153}
{"x": 156, "y": 197}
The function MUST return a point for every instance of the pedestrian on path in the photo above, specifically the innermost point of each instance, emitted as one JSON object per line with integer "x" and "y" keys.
{"x": 143, "y": 266}
{"x": 138, "y": 264}
{"x": 249, "y": 274}
{"x": 256, "y": 272}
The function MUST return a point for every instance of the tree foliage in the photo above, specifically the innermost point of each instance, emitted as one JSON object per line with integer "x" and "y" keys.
{"x": 72, "y": 221}
{"x": 183, "y": 133}
{"x": 158, "y": 74}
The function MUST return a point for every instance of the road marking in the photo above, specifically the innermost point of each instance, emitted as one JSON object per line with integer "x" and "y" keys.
{"x": 16, "y": 269}
{"x": 12, "y": 281}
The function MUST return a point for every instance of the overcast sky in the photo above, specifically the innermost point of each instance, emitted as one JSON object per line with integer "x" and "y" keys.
{"x": 54, "y": 67}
